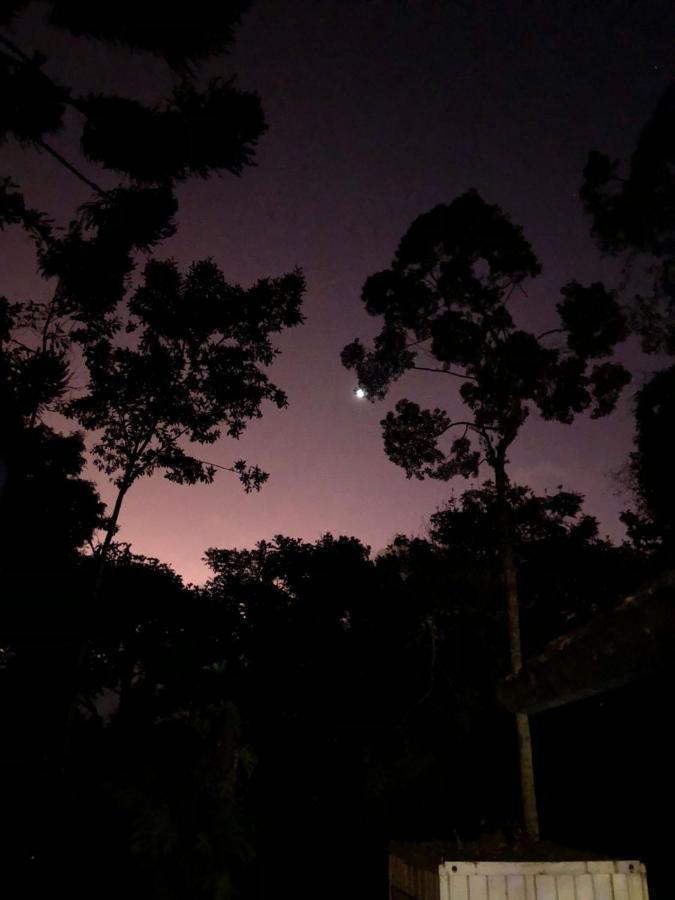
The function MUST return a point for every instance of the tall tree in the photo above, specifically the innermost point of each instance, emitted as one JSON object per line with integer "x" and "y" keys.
{"x": 652, "y": 526}
{"x": 140, "y": 152}
{"x": 632, "y": 209}
{"x": 446, "y": 293}
{"x": 566, "y": 572}
{"x": 196, "y": 369}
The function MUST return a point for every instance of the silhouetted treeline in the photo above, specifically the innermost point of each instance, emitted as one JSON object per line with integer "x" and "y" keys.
{"x": 270, "y": 731}
{"x": 303, "y": 707}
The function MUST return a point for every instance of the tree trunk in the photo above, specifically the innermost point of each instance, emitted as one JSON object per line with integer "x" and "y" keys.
{"x": 109, "y": 535}
{"x": 508, "y": 566}
{"x": 81, "y": 657}
{"x": 42, "y": 349}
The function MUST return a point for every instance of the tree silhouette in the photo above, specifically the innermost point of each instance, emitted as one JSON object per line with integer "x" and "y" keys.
{"x": 194, "y": 131}
{"x": 196, "y": 370}
{"x": 633, "y": 218}
{"x": 368, "y": 685}
{"x": 652, "y": 527}
{"x": 178, "y": 359}
{"x": 40, "y": 470}
{"x": 178, "y": 791}
{"x": 446, "y": 294}
{"x": 157, "y": 791}
{"x": 566, "y": 572}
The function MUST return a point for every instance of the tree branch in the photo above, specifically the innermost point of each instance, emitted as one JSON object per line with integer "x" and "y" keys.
{"x": 205, "y": 462}
{"x": 467, "y": 424}
{"x": 66, "y": 98}
{"x": 510, "y": 288}
{"x": 30, "y": 61}
{"x": 416, "y": 343}
{"x": 443, "y": 372}
{"x": 71, "y": 168}
{"x": 20, "y": 53}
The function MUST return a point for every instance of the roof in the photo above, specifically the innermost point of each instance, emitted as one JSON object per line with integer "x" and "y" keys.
{"x": 633, "y": 641}
{"x": 429, "y": 855}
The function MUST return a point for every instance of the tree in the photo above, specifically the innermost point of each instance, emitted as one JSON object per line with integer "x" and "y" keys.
{"x": 178, "y": 790}
{"x": 306, "y": 670}
{"x": 48, "y": 512}
{"x": 447, "y": 293}
{"x": 157, "y": 796}
{"x": 194, "y": 131}
{"x": 566, "y": 573}
{"x": 201, "y": 358}
{"x": 652, "y": 527}
{"x": 196, "y": 369}
{"x": 633, "y": 218}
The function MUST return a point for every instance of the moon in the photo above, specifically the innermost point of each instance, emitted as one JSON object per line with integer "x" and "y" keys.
{"x": 359, "y": 393}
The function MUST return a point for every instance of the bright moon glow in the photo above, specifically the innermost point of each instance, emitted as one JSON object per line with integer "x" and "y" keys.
{"x": 359, "y": 393}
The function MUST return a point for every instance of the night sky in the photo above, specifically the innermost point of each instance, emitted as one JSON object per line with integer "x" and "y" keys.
{"x": 378, "y": 110}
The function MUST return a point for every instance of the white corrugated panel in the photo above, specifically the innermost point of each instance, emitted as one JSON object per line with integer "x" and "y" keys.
{"x": 597, "y": 880}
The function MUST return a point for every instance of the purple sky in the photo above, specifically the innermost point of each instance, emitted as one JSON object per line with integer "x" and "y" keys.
{"x": 378, "y": 110}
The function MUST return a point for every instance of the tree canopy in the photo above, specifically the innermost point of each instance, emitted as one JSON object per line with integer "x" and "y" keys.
{"x": 632, "y": 210}
{"x": 140, "y": 152}
{"x": 633, "y": 216}
{"x": 446, "y": 294}
{"x": 197, "y": 367}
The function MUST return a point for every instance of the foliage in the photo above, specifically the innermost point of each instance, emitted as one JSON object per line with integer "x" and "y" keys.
{"x": 195, "y": 130}
{"x": 633, "y": 216}
{"x": 155, "y": 805}
{"x": 567, "y": 573}
{"x": 42, "y": 492}
{"x": 157, "y": 761}
{"x": 177, "y": 793}
{"x": 148, "y": 26}
{"x": 212, "y": 129}
{"x": 446, "y": 294}
{"x": 653, "y": 526}
{"x": 328, "y": 696}
{"x": 183, "y": 138}
{"x": 192, "y": 369}
{"x": 196, "y": 368}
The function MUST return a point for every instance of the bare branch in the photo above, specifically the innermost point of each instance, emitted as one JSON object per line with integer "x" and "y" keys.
{"x": 550, "y": 331}
{"x": 443, "y": 372}
{"x": 30, "y": 61}
{"x": 468, "y": 425}
{"x": 205, "y": 462}
{"x": 20, "y": 55}
{"x": 71, "y": 168}
{"x": 416, "y": 343}
{"x": 511, "y": 288}
{"x": 18, "y": 51}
